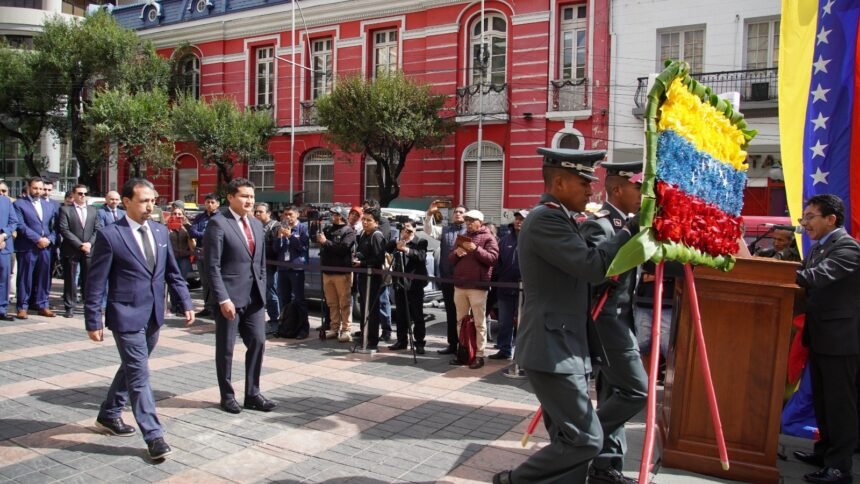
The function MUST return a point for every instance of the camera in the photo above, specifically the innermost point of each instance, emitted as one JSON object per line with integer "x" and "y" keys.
{"x": 174, "y": 222}
{"x": 443, "y": 203}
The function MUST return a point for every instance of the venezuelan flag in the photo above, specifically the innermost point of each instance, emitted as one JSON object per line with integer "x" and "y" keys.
{"x": 819, "y": 111}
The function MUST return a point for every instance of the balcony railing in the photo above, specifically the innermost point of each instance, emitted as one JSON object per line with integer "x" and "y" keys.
{"x": 569, "y": 95}
{"x": 262, "y": 107}
{"x": 308, "y": 114}
{"x": 486, "y": 99}
{"x": 754, "y": 85}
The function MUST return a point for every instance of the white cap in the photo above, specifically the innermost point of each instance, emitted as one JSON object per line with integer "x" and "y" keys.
{"x": 474, "y": 214}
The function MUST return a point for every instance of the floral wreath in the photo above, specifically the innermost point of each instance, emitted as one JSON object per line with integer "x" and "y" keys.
{"x": 694, "y": 176}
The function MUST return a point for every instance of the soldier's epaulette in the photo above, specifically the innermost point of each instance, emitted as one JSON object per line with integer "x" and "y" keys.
{"x": 601, "y": 214}
{"x": 551, "y": 205}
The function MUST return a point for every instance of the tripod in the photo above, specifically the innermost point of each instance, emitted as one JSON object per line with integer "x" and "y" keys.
{"x": 403, "y": 284}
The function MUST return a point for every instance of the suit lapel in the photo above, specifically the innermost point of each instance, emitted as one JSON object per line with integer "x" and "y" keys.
{"x": 160, "y": 245}
{"x": 232, "y": 222}
{"x": 131, "y": 242}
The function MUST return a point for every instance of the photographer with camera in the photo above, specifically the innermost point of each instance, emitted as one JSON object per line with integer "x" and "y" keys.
{"x": 291, "y": 246}
{"x": 410, "y": 254}
{"x": 183, "y": 245}
{"x": 337, "y": 242}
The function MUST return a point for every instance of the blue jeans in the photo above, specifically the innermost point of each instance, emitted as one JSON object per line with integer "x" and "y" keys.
{"x": 507, "y": 310}
{"x": 385, "y": 310}
{"x": 273, "y": 300}
{"x": 132, "y": 381}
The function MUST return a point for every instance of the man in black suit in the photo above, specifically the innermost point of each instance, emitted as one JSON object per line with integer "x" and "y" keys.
{"x": 236, "y": 266}
{"x": 78, "y": 224}
{"x": 831, "y": 276}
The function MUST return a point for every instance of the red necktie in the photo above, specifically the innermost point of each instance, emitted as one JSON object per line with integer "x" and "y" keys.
{"x": 251, "y": 245}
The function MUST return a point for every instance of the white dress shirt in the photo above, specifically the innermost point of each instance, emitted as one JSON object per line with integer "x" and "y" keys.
{"x": 138, "y": 236}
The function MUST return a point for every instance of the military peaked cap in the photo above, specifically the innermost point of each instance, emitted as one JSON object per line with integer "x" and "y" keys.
{"x": 580, "y": 162}
{"x": 632, "y": 170}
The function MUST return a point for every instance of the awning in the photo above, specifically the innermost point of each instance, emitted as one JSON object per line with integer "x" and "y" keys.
{"x": 419, "y": 203}
{"x": 273, "y": 196}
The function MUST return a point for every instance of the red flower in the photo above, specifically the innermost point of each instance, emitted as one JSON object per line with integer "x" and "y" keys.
{"x": 695, "y": 223}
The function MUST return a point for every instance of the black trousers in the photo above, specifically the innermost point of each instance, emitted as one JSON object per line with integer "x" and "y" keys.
{"x": 371, "y": 305}
{"x": 70, "y": 269}
{"x": 250, "y": 324}
{"x": 835, "y": 401}
{"x": 413, "y": 298}
{"x": 450, "y": 313}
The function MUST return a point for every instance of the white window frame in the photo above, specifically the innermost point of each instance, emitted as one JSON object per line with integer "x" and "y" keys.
{"x": 370, "y": 179}
{"x": 497, "y": 69}
{"x": 574, "y": 28}
{"x": 317, "y": 159}
{"x": 322, "y": 55}
{"x": 772, "y": 53}
{"x": 386, "y": 53}
{"x": 264, "y": 76}
{"x": 193, "y": 70}
{"x": 259, "y": 170}
{"x": 683, "y": 33}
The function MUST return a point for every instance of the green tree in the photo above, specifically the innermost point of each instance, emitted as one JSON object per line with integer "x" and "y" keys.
{"x": 139, "y": 122}
{"x": 384, "y": 118}
{"x": 92, "y": 54}
{"x": 30, "y": 101}
{"x": 224, "y": 134}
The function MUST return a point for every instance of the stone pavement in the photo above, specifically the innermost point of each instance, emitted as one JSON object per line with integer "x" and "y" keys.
{"x": 342, "y": 417}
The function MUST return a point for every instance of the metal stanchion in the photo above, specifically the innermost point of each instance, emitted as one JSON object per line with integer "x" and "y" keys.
{"x": 363, "y": 348}
{"x": 514, "y": 371}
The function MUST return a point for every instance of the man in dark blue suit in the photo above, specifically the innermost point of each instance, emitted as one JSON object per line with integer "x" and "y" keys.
{"x": 236, "y": 266}
{"x": 8, "y": 224}
{"x": 35, "y": 242}
{"x": 133, "y": 257}
{"x": 110, "y": 212}
{"x": 291, "y": 246}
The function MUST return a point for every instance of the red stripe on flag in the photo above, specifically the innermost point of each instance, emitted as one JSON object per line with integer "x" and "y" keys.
{"x": 854, "y": 165}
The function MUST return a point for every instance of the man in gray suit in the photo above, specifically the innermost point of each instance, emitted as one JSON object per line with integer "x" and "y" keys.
{"x": 78, "y": 224}
{"x": 622, "y": 384}
{"x": 831, "y": 276}
{"x": 236, "y": 266}
{"x": 557, "y": 268}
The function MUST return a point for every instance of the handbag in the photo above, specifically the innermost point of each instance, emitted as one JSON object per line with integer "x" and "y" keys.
{"x": 468, "y": 346}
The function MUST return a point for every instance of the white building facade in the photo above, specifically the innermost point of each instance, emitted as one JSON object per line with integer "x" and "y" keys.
{"x": 732, "y": 46}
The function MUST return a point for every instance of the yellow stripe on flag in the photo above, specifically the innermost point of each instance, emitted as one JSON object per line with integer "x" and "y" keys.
{"x": 796, "y": 43}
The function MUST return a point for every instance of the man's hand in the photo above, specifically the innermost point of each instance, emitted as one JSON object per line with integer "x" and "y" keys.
{"x": 189, "y": 317}
{"x": 2, "y": 244}
{"x": 97, "y": 335}
{"x": 228, "y": 310}
{"x": 432, "y": 208}
{"x": 460, "y": 251}
{"x": 321, "y": 238}
{"x": 401, "y": 246}
{"x": 43, "y": 243}
{"x": 470, "y": 246}
{"x": 86, "y": 247}
{"x": 284, "y": 232}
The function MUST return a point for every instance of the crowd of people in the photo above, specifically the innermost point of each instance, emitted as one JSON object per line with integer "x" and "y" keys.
{"x": 543, "y": 277}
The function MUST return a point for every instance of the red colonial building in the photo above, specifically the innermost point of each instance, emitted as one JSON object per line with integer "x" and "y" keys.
{"x": 542, "y": 80}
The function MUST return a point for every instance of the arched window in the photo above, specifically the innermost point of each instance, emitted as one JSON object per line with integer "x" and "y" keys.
{"x": 569, "y": 138}
{"x": 492, "y": 59}
{"x": 319, "y": 176}
{"x": 189, "y": 75}
{"x": 569, "y": 141}
{"x": 488, "y": 196}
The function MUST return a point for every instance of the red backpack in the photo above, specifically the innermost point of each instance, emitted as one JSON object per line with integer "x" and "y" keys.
{"x": 468, "y": 346}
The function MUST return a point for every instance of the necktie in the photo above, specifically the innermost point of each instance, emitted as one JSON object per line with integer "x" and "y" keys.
{"x": 147, "y": 248}
{"x": 113, "y": 212}
{"x": 251, "y": 245}
{"x": 38, "y": 207}
{"x": 82, "y": 214}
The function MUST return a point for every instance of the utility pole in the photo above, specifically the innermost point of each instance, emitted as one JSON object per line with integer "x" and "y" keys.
{"x": 481, "y": 60}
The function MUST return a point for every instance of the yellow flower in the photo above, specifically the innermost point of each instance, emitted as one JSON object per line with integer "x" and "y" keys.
{"x": 701, "y": 124}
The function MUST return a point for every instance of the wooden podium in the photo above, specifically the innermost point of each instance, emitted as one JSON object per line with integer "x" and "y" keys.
{"x": 746, "y": 316}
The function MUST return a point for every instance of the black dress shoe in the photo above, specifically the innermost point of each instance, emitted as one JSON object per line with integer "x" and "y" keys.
{"x": 259, "y": 402}
{"x": 386, "y": 337}
{"x": 419, "y": 348}
{"x": 500, "y": 356}
{"x": 231, "y": 406}
{"x": 158, "y": 449}
{"x": 828, "y": 475}
{"x": 610, "y": 475}
{"x": 448, "y": 350}
{"x": 115, "y": 426}
{"x": 810, "y": 458}
{"x": 69, "y": 314}
{"x": 455, "y": 362}
{"x": 400, "y": 345}
{"x": 478, "y": 363}
{"x": 503, "y": 477}
{"x": 6, "y": 317}
{"x": 205, "y": 313}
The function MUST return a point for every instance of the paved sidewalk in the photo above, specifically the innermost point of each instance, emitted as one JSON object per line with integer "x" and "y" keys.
{"x": 342, "y": 417}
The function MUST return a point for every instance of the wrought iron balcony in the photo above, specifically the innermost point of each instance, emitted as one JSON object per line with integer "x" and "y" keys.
{"x": 485, "y": 99}
{"x": 308, "y": 114}
{"x": 270, "y": 108}
{"x": 757, "y": 86}
{"x": 569, "y": 95}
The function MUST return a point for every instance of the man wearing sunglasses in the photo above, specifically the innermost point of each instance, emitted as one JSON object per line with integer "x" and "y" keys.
{"x": 831, "y": 276}
{"x": 78, "y": 224}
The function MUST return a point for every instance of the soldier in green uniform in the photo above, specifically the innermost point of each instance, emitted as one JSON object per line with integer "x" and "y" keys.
{"x": 558, "y": 268}
{"x": 622, "y": 384}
